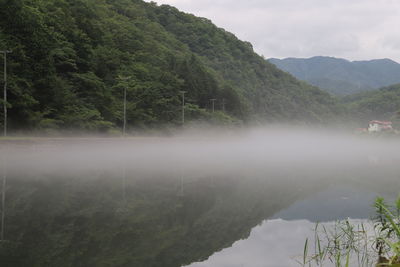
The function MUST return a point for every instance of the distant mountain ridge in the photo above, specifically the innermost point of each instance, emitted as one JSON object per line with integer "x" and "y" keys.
{"x": 339, "y": 76}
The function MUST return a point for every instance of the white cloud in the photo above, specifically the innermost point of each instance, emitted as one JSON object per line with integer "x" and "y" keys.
{"x": 357, "y": 29}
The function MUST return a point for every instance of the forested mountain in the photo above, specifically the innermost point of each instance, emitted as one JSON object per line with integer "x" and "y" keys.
{"x": 71, "y": 60}
{"x": 342, "y": 77}
{"x": 382, "y": 104}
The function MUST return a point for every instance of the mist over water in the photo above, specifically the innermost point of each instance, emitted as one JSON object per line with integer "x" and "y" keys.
{"x": 259, "y": 152}
{"x": 194, "y": 196}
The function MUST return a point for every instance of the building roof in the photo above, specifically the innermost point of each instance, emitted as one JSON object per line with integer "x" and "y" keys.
{"x": 381, "y": 122}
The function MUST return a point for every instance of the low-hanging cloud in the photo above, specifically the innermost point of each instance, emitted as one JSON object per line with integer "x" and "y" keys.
{"x": 357, "y": 30}
{"x": 267, "y": 152}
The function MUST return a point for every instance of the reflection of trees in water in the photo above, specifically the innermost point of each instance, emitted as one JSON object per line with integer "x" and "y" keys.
{"x": 3, "y": 197}
{"x": 85, "y": 218}
{"x": 3, "y": 165}
{"x": 65, "y": 220}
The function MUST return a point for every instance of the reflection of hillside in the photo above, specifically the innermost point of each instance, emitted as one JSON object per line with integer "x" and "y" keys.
{"x": 85, "y": 222}
{"x": 346, "y": 195}
{"x": 385, "y": 182}
{"x": 337, "y": 202}
{"x": 66, "y": 204}
{"x": 239, "y": 207}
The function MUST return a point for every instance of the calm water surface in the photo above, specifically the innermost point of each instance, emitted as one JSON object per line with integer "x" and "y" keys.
{"x": 279, "y": 241}
{"x": 247, "y": 200}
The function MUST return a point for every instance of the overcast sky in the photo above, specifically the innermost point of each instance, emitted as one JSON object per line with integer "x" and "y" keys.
{"x": 351, "y": 29}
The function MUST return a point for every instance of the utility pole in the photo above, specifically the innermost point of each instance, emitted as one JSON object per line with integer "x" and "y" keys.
{"x": 223, "y": 104}
{"x": 183, "y": 107}
{"x": 4, "y": 182}
{"x": 5, "y": 52}
{"x": 124, "y": 127}
{"x": 213, "y": 103}
{"x": 124, "y": 109}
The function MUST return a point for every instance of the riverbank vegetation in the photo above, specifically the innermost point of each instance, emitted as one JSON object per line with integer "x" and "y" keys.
{"x": 350, "y": 244}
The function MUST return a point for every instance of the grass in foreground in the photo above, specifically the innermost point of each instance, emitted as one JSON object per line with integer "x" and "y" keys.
{"x": 348, "y": 244}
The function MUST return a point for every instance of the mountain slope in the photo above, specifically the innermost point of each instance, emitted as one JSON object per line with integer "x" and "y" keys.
{"x": 342, "y": 77}
{"x": 69, "y": 56}
{"x": 382, "y": 104}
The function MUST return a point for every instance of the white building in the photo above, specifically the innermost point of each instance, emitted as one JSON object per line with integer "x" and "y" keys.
{"x": 379, "y": 126}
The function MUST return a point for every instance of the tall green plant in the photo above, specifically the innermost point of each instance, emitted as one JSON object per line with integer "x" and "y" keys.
{"x": 346, "y": 244}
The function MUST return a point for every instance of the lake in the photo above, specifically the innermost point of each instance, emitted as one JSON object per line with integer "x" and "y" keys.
{"x": 205, "y": 199}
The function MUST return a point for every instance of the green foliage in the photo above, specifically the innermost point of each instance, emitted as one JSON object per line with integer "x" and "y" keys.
{"x": 388, "y": 228}
{"x": 68, "y": 54}
{"x": 382, "y": 104}
{"x": 345, "y": 241}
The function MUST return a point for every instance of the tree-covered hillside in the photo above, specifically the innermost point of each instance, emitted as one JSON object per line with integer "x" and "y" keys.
{"x": 382, "y": 104}
{"x": 342, "y": 77}
{"x": 71, "y": 60}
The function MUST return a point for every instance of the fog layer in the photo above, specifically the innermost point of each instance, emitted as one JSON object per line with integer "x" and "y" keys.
{"x": 268, "y": 152}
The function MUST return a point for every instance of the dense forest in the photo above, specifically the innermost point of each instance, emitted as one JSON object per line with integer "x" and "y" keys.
{"x": 72, "y": 59}
{"x": 382, "y": 104}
